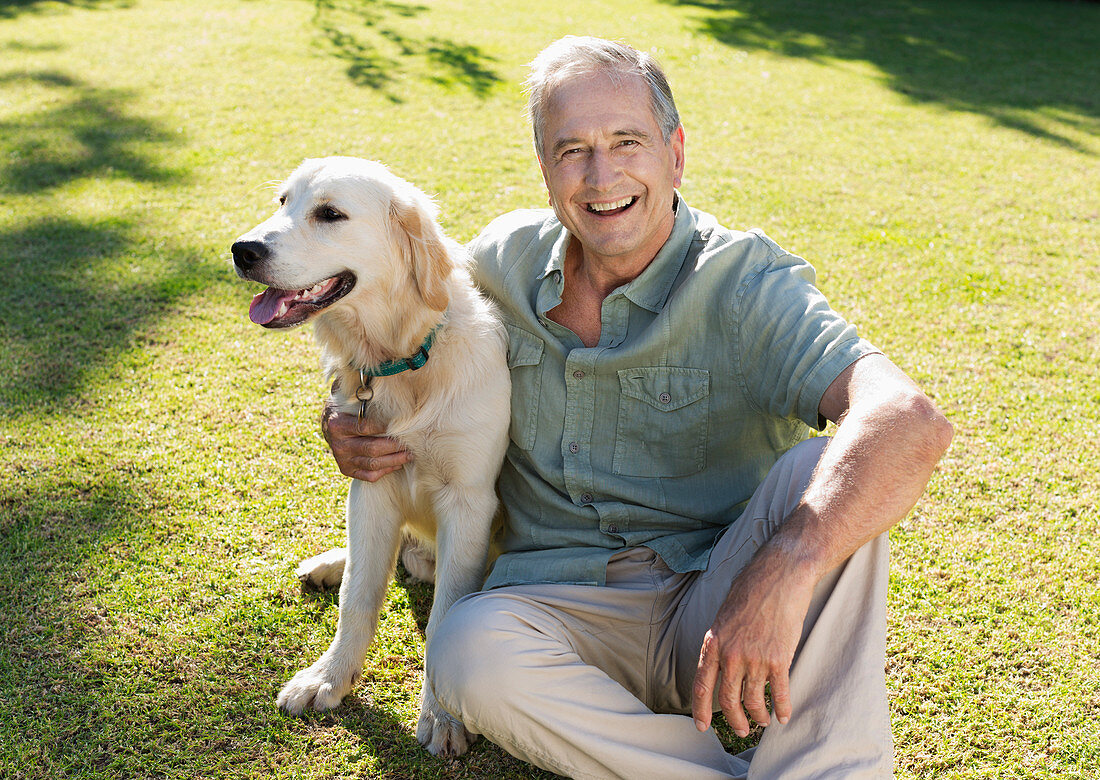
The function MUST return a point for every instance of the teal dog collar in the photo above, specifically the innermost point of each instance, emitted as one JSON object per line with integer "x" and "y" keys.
{"x": 365, "y": 393}
{"x": 411, "y": 363}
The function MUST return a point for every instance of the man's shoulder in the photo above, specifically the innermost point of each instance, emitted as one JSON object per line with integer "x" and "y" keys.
{"x": 519, "y": 226}
{"x": 510, "y": 244}
{"x": 738, "y": 252}
{"x": 714, "y": 235}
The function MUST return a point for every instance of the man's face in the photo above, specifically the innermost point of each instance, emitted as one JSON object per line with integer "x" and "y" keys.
{"x": 610, "y": 174}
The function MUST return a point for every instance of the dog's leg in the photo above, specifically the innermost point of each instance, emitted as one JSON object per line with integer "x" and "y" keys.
{"x": 324, "y": 571}
{"x": 373, "y": 537}
{"x": 464, "y": 518}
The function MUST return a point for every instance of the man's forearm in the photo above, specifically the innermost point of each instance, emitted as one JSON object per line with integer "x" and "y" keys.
{"x": 872, "y": 473}
{"x": 888, "y": 441}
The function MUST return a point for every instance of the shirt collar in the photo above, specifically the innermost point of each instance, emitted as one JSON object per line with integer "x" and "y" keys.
{"x": 557, "y": 252}
{"x": 651, "y": 287}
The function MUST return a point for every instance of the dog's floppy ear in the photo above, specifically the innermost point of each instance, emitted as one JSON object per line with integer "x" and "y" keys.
{"x": 420, "y": 236}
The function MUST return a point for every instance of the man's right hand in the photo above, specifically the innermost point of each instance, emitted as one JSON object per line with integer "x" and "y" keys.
{"x": 360, "y": 449}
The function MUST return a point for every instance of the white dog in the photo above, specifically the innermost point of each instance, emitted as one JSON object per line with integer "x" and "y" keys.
{"x": 411, "y": 344}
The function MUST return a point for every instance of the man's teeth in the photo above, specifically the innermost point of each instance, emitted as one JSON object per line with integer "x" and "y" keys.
{"x": 617, "y": 204}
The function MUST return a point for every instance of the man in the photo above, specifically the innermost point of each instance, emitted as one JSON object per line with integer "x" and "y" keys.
{"x": 674, "y": 542}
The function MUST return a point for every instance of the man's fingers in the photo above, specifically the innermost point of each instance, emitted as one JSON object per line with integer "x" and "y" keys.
{"x": 781, "y": 696}
{"x": 729, "y": 699}
{"x": 344, "y": 425}
{"x": 741, "y": 691}
{"x": 702, "y": 691}
{"x": 753, "y": 698}
{"x": 374, "y": 468}
{"x": 360, "y": 450}
{"x": 374, "y": 476}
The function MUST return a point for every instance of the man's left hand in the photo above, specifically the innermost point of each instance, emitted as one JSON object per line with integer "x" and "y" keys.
{"x": 752, "y": 643}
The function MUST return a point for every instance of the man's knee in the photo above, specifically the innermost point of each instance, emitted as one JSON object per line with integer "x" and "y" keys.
{"x": 778, "y": 495}
{"x": 471, "y": 658}
{"x": 796, "y": 466}
{"x": 452, "y": 657}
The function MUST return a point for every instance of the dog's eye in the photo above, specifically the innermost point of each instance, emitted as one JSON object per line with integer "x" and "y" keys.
{"x": 282, "y": 200}
{"x": 329, "y": 214}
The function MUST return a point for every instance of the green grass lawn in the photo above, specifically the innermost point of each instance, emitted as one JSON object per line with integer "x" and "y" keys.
{"x": 162, "y": 470}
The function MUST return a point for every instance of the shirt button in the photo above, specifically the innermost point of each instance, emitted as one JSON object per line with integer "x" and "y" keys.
{"x": 578, "y": 375}
{"x": 613, "y": 529}
{"x": 586, "y": 498}
{"x": 665, "y": 398}
{"x": 574, "y": 447}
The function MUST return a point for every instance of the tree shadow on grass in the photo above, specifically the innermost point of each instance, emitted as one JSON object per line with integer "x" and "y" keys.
{"x": 9, "y": 9}
{"x": 78, "y": 289}
{"x": 68, "y": 307}
{"x": 72, "y": 302}
{"x": 85, "y": 134}
{"x": 1028, "y": 66}
{"x": 361, "y": 33}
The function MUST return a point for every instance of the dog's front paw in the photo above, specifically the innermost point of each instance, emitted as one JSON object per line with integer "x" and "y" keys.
{"x": 324, "y": 571}
{"x": 438, "y": 732}
{"x": 320, "y": 687}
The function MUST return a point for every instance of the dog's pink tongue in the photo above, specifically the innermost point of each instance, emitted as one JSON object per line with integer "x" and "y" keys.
{"x": 265, "y": 305}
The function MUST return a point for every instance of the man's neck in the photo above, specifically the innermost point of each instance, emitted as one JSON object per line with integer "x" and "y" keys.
{"x": 601, "y": 275}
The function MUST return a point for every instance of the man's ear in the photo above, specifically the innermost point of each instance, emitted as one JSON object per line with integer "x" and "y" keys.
{"x": 424, "y": 248}
{"x": 677, "y": 141}
{"x": 545, "y": 180}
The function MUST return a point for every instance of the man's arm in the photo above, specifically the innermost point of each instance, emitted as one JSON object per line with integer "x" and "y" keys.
{"x": 888, "y": 440}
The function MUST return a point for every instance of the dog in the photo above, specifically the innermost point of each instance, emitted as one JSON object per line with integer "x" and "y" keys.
{"x": 411, "y": 344}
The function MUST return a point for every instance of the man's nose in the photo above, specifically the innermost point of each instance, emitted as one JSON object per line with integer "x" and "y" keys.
{"x": 603, "y": 170}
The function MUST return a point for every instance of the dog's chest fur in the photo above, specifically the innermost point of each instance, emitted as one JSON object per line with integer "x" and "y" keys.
{"x": 396, "y": 405}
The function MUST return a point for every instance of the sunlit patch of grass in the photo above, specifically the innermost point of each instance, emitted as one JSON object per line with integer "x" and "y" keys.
{"x": 161, "y": 470}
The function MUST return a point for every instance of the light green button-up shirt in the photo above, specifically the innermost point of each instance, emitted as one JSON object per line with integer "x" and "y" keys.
{"x": 710, "y": 365}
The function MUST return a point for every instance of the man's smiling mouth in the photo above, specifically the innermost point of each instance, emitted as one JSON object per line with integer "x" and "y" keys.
{"x": 612, "y": 207}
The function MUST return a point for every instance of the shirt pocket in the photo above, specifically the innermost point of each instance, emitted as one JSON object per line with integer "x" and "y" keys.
{"x": 663, "y": 418}
{"x": 525, "y": 365}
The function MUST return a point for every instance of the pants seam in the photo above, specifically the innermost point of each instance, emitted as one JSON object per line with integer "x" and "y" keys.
{"x": 658, "y": 593}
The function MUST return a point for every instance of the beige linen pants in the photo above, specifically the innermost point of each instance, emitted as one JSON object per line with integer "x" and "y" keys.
{"x": 593, "y": 682}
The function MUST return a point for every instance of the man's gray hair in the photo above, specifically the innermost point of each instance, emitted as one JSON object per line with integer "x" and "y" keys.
{"x": 587, "y": 56}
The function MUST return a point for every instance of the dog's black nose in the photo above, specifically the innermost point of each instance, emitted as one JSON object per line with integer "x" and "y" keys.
{"x": 248, "y": 253}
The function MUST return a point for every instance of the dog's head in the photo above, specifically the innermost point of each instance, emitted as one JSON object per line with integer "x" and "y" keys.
{"x": 344, "y": 227}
